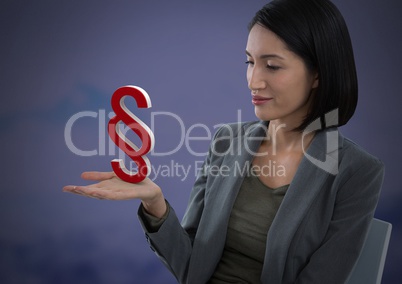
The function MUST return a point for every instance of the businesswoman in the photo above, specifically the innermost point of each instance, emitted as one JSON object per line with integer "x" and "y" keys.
{"x": 304, "y": 223}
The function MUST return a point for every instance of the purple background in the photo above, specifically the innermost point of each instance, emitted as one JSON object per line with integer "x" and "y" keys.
{"x": 61, "y": 57}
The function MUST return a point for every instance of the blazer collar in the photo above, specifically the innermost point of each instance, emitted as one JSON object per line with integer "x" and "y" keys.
{"x": 221, "y": 196}
{"x": 306, "y": 184}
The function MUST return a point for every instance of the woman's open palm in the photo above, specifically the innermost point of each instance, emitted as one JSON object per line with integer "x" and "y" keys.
{"x": 110, "y": 187}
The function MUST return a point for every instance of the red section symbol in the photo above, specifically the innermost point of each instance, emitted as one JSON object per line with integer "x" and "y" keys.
{"x": 140, "y": 128}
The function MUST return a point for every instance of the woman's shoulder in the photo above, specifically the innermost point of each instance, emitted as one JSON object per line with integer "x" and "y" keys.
{"x": 354, "y": 155}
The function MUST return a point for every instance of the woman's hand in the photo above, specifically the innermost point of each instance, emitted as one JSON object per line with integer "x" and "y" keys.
{"x": 111, "y": 187}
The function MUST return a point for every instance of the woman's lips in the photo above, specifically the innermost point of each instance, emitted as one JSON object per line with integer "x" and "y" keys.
{"x": 258, "y": 100}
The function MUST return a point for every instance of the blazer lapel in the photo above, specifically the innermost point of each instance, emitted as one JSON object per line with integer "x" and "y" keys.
{"x": 305, "y": 185}
{"x": 213, "y": 226}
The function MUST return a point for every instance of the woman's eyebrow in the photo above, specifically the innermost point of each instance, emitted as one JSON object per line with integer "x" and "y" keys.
{"x": 264, "y": 56}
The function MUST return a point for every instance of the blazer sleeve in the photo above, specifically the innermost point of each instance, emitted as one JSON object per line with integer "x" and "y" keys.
{"x": 354, "y": 208}
{"x": 173, "y": 241}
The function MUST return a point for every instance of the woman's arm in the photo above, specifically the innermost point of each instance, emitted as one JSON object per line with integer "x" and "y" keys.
{"x": 173, "y": 241}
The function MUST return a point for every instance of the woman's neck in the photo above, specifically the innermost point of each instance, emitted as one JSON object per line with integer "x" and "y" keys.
{"x": 283, "y": 138}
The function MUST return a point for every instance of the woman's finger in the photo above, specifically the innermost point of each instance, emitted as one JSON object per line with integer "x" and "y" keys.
{"x": 84, "y": 191}
{"x": 97, "y": 175}
{"x": 69, "y": 188}
{"x": 74, "y": 189}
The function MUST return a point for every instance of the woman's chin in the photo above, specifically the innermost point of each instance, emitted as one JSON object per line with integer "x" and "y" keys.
{"x": 263, "y": 115}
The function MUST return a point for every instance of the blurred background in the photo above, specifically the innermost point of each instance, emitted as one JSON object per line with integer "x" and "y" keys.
{"x": 64, "y": 58}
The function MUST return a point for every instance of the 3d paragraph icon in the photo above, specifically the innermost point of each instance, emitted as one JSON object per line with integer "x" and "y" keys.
{"x": 140, "y": 128}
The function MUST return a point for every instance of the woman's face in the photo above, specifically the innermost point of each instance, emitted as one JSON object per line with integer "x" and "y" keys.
{"x": 279, "y": 79}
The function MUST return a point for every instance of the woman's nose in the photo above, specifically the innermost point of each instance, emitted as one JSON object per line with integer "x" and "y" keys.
{"x": 255, "y": 79}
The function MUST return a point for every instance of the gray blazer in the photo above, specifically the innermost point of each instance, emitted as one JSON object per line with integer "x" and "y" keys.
{"x": 319, "y": 229}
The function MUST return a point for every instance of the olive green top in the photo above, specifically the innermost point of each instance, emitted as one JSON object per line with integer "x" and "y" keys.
{"x": 251, "y": 217}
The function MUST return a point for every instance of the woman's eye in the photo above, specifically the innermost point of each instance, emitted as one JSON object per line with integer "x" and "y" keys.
{"x": 273, "y": 68}
{"x": 248, "y": 62}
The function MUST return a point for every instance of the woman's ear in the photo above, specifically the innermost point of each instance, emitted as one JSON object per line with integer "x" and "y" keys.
{"x": 315, "y": 81}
